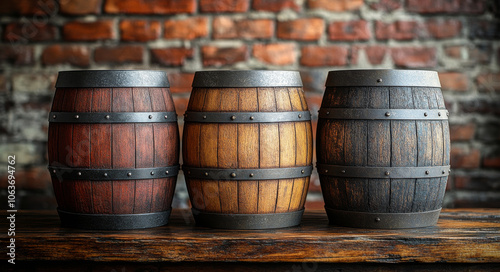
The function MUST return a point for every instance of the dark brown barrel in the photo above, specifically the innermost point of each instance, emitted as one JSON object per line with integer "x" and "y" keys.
{"x": 113, "y": 149}
{"x": 247, "y": 149}
{"x": 383, "y": 148}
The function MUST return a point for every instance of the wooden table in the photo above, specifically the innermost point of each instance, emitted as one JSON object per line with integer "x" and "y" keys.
{"x": 462, "y": 239}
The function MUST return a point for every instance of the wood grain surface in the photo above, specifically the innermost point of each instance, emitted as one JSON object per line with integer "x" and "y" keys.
{"x": 461, "y": 236}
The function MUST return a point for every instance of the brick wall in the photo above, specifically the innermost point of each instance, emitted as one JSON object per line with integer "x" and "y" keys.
{"x": 458, "y": 38}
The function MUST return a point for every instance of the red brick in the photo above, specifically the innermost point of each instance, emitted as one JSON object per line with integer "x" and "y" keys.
{"x": 181, "y": 103}
{"x": 3, "y": 89}
{"x": 462, "y": 132}
{"x": 313, "y": 55}
{"x": 399, "y": 30}
{"x": 489, "y": 82}
{"x": 119, "y": 55}
{"x": 66, "y": 54}
{"x": 376, "y": 53}
{"x": 446, "y": 6}
{"x": 28, "y": 7}
{"x": 477, "y": 53}
{"x": 349, "y": 31}
{"x": 484, "y": 29}
{"x": 481, "y": 106}
{"x": 171, "y": 56}
{"x": 89, "y": 31}
{"x": 492, "y": 162}
{"x": 186, "y": 29}
{"x": 414, "y": 57}
{"x": 219, "y": 56}
{"x": 224, "y": 5}
{"x": 80, "y": 7}
{"x": 443, "y": 29}
{"x": 476, "y": 183}
{"x": 386, "y": 5}
{"x": 140, "y": 30}
{"x": 454, "y": 81}
{"x": 275, "y": 5}
{"x": 305, "y": 29}
{"x": 180, "y": 82}
{"x": 29, "y": 32}
{"x": 335, "y": 5}
{"x": 228, "y": 28}
{"x": 468, "y": 158}
{"x": 275, "y": 53}
{"x": 150, "y": 6}
{"x": 16, "y": 54}
{"x": 454, "y": 51}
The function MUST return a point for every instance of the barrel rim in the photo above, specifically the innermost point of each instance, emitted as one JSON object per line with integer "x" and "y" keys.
{"x": 246, "y": 78}
{"x": 112, "y": 79}
{"x": 383, "y": 78}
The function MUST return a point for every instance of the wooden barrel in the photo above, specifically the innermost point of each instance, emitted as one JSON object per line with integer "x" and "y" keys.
{"x": 113, "y": 149}
{"x": 383, "y": 148}
{"x": 247, "y": 149}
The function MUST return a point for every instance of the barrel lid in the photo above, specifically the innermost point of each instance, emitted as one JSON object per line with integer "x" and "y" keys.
{"x": 383, "y": 77}
{"x": 246, "y": 78}
{"x": 111, "y": 78}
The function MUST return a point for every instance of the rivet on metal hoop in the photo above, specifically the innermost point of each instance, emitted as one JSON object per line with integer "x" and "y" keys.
{"x": 77, "y": 116}
{"x": 166, "y": 116}
{"x": 427, "y": 172}
{"x": 79, "y": 173}
{"x": 327, "y": 113}
{"x": 233, "y": 117}
{"x": 105, "y": 174}
{"x": 206, "y": 174}
{"x": 326, "y": 170}
{"x": 300, "y": 115}
{"x": 439, "y": 113}
{"x": 302, "y": 171}
{"x": 387, "y": 114}
{"x": 54, "y": 116}
{"x": 425, "y": 114}
{"x": 152, "y": 173}
{"x": 377, "y": 219}
{"x": 343, "y": 171}
{"x": 379, "y": 80}
{"x": 387, "y": 173}
{"x": 166, "y": 172}
{"x": 251, "y": 175}
{"x": 150, "y": 117}
{"x": 251, "y": 117}
{"x": 233, "y": 175}
{"x": 54, "y": 171}
{"x": 443, "y": 172}
{"x": 204, "y": 117}
{"x": 129, "y": 174}
{"x": 107, "y": 116}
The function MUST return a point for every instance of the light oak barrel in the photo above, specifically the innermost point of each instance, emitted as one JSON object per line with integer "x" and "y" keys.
{"x": 113, "y": 149}
{"x": 247, "y": 149}
{"x": 383, "y": 148}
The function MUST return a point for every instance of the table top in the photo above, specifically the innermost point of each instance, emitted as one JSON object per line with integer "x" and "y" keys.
{"x": 461, "y": 236}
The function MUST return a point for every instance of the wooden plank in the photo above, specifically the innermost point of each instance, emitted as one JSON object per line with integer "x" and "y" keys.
{"x": 123, "y": 152}
{"x": 227, "y": 156}
{"x": 269, "y": 148}
{"x": 248, "y": 152}
{"x": 461, "y": 236}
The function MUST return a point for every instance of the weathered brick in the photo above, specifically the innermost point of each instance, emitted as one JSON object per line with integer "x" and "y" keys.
{"x": 489, "y": 132}
{"x": 26, "y": 153}
{"x": 399, "y": 30}
{"x": 119, "y": 55}
{"x": 228, "y": 28}
{"x": 492, "y": 161}
{"x": 275, "y": 5}
{"x": 313, "y": 55}
{"x": 29, "y": 178}
{"x": 443, "y": 28}
{"x": 313, "y": 81}
{"x": 349, "y": 31}
{"x": 481, "y": 106}
{"x": 76, "y": 55}
{"x": 181, "y": 103}
{"x": 28, "y": 7}
{"x": 454, "y": 51}
{"x": 488, "y": 82}
{"x": 484, "y": 29}
{"x": 305, "y": 29}
{"x": 376, "y": 53}
{"x": 186, "y": 29}
{"x": 462, "y": 132}
{"x": 150, "y": 6}
{"x": 89, "y": 31}
{"x": 224, "y": 5}
{"x": 171, "y": 56}
{"x": 467, "y": 158}
{"x": 16, "y": 54}
{"x": 386, "y": 5}
{"x": 180, "y": 82}
{"x": 414, "y": 57}
{"x": 219, "y": 56}
{"x": 478, "y": 53}
{"x": 275, "y": 53}
{"x": 80, "y": 7}
{"x": 476, "y": 183}
{"x": 140, "y": 30}
{"x": 335, "y": 5}
{"x": 33, "y": 83}
{"x": 3, "y": 83}
{"x": 446, "y": 6}
{"x": 29, "y": 32}
{"x": 454, "y": 81}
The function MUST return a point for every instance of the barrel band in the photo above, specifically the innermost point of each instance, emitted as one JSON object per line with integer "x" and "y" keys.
{"x": 383, "y": 78}
{"x": 383, "y": 172}
{"x": 64, "y": 173}
{"x": 383, "y": 114}
{"x": 247, "y": 174}
{"x": 247, "y": 117}
{"x": 382, "y": 220}
{"x": 246, "y": 79}
{"x": 112, "y": 79}
{"x": 112, "y": 117}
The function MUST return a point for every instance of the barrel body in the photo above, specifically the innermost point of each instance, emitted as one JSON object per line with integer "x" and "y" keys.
{"x": 383, "y": 148}
{"x": 247, "y": 149}
{"x": 113, "y": 136}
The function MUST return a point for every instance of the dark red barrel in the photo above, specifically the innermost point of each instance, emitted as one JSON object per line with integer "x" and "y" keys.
{"x": 113, "y": 149}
